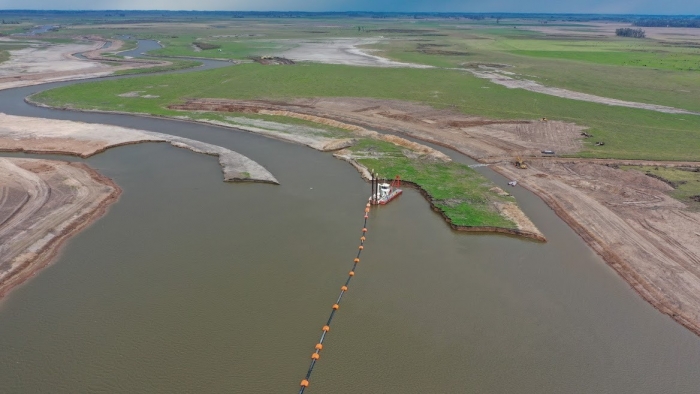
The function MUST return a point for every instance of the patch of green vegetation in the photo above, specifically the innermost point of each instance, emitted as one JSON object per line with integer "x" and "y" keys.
{"x": 460, "y": 192}
{"x": 177, "y": 65}
{"x": 4, "y": 56}
{"x": 628, "y": 133}
{"x": 216, "y": 48}
{"x": 685, "y": 182}
{"x": 658, "y": 60}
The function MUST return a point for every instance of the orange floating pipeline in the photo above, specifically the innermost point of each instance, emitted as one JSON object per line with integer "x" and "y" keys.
{"x": 326, "y": 328}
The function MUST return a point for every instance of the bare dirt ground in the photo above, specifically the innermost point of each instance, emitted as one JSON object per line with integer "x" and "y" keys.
{"x": 36, "y": 135}
{"x": 477, "y": 137}
{"x": 43, "y": 63}
{"x": 340, "y": 51}
{"x": 42, "y": 204}
{"x": 649, "y": 238}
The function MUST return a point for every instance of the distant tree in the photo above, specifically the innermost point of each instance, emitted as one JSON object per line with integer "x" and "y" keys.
{"x": 629, "y": 32}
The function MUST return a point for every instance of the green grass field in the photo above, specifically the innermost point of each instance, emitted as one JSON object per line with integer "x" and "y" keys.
{"x": 229, "y": 49}
{"x": 647, "y": 71}
{"x": 628, "y": 133}
{"x": 460, "y": 192}
{"x": 685, "y": 182}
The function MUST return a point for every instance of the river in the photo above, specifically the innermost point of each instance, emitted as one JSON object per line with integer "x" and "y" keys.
{"x": 190, "y": 284}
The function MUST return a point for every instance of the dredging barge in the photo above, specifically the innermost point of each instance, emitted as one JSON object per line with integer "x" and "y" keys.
{"x": 383, "y": 192}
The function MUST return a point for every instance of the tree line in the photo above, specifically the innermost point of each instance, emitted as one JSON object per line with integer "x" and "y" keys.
{"x": 629, "y": 32}
{"x": 668, "y": 22}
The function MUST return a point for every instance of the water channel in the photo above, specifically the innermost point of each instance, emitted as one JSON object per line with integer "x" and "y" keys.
{"x": 190, "y": 284}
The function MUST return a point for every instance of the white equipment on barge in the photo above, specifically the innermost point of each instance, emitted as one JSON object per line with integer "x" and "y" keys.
{"x": 384, "y": 192}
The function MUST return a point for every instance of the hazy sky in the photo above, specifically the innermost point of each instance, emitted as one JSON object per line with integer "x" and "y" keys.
{"x": 552, "y": 6}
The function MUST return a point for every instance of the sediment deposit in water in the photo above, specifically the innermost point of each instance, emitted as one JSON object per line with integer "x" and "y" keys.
{"x": 43, "y": 203}
{"x": 37, "y": 135}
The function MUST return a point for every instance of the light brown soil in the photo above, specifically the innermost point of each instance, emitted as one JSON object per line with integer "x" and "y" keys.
{"x": 42, "y": 204}
{"x": 37, "y": 135}
{"x": 649, "y": 238}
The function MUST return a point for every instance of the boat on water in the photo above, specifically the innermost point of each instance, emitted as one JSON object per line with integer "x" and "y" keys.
{"x": 385, "y": 192}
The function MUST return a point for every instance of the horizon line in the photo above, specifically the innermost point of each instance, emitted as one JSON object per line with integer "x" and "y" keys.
{"x": 486, "y": 13}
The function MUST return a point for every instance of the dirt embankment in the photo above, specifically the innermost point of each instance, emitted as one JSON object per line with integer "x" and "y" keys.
{"x": 650, "y": 239}
{"x": 42, "y": 204}
{"x": 36, "y": 135}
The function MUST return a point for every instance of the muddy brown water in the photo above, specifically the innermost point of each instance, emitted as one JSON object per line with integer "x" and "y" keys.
{"x": 190, "y": 284}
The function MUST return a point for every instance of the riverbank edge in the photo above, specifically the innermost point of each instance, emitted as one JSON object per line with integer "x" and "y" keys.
{"x": 49, "y": 252}
{"x": 426, "y": 195}
{"x": 644, "y": 289}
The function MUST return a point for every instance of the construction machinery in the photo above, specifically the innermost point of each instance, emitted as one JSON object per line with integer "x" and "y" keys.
{"x": 519, "y": 163}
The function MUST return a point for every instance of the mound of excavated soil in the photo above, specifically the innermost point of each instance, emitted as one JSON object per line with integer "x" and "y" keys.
{"x": 43, "y": 203}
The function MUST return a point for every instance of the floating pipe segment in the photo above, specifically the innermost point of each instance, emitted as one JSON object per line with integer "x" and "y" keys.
{"x": 324, "y": 331}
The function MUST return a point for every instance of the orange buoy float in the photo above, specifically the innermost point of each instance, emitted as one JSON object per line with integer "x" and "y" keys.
{"x": 357, "y": 260}
{"x": 364, "y": 230}
{"x": 326, "y": 328}
{"x": 319, "y": 346}
{"x": 336, "y": 306}
{"x": 344, "y": 288}
{"x": 366, "y": 210}
{"x": 361, "y": 247}
{"x": 315, "y": 356}
{"x": 362, "y": 238}
{"x": 305, "y": 383}
{"x": 351, "y": 273}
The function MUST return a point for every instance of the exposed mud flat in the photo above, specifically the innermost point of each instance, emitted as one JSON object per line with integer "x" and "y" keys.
{"x": 36, "y": 135}
{"x": 44, "y": 63}
{"x": 42, "y": 204}
{"x": 341, "y": 51}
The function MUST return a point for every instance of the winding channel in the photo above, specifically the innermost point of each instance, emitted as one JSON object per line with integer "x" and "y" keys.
{"x": 190, "y": 284}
